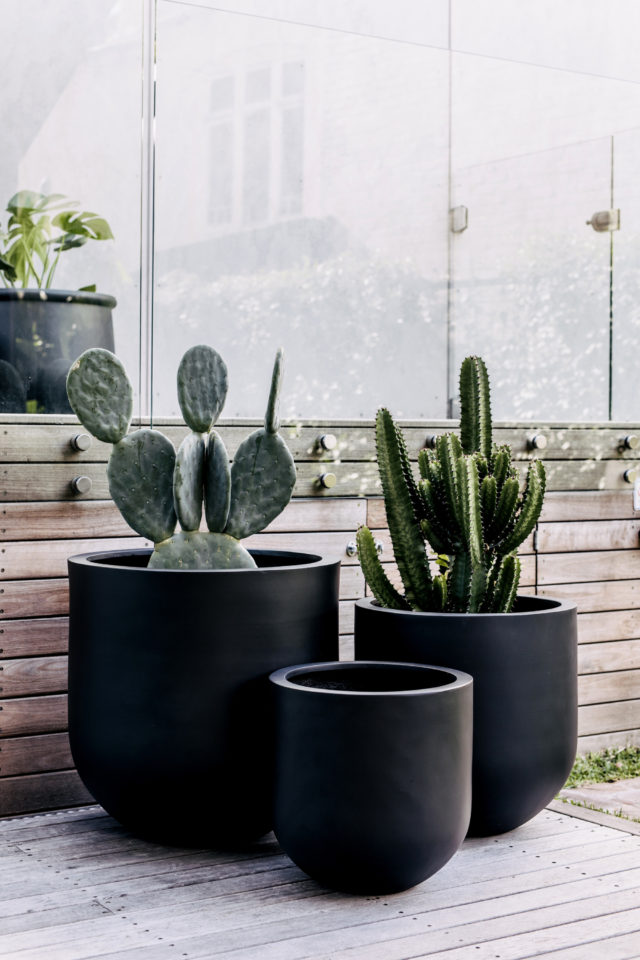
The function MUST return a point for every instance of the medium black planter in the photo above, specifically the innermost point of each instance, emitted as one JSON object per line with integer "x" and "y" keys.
{"x": 373, "y": 771}
{"x": 41, "y": 333}
{"x": 169, "y": 707}
{"x": 524, "y": 666}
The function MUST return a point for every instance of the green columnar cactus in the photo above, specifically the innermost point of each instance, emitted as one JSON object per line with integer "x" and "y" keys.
{"x": 154, "y": 487}
{"x": 467, "y": 506}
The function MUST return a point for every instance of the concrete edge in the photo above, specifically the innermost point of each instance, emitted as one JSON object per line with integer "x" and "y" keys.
{"x": 594, "y": 816}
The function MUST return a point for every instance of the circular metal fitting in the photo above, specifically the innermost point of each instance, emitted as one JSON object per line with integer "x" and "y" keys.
{"x": 327, "y": 441}
{"x": 352, "y": 548}
{"x": 327, "y": 480}
{"x": 430, "y": 442}
{"x": 537, "y": 442}
{"x": 630, "y": 475}
{"x": 630, "y": 442}
{"x": 81, "y": 441}
{"x": 81, "y": 484}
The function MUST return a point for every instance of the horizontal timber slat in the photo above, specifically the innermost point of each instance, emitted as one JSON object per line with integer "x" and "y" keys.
{"x": 24, "y": 598}
{"x": 91, "y": 519}
{"x": 26, "y": 715}
{"x": 591, "y": 535}
{"x": 588, "y": 505}
{"x": 48, "y": 558}
{"x": 609, "y": 687}
{"x": 32, "y": 675}
{"x": 42, "y": 791}
{"x": 598, "y": 595}
{"x": 34, "y": 754}
{"x": 608, "y": 717}
{"x": 613, "y": 655}
{"x": 598, "y": 565}
{"x": 52, "y": 481}
{"x": 34, "y": 638}
{"x": 21, "y": 442}
{"x": 50, "y": 598}
{"x": 602, "y": 741}
{"x": 617, "y": 625}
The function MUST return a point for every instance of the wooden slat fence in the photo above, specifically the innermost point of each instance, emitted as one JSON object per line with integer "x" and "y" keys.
{"x": 586, "y": 548}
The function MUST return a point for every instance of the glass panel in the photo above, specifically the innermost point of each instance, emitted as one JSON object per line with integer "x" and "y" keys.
{"x": 411, "y": 20}
{"x": 71, "y": 99}
{"x": 531, "y": 281}
{"x": 587, "y": 36}
{"x": 626, "y": 277}
{"x": 336, "y": 246}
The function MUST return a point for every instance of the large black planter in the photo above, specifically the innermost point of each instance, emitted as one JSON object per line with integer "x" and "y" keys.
{"x": 373, "y": 771}
{"x": 169, "y": 707}
{"x": 41, "y": 334}
{"x": 524, "y": 666}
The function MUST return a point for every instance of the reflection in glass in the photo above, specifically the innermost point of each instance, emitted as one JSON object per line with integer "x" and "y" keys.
{"x": 324, "y": 168}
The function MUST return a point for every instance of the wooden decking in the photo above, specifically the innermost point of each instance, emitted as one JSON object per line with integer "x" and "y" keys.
{"x": 75, "y": 885}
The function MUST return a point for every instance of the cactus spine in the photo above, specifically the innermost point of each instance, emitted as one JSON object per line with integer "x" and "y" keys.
{"x": 466, "y": 505}
{"x": 154, "y": 487}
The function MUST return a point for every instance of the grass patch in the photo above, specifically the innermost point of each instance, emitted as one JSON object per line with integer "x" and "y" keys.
{"x": 607, "y": 766}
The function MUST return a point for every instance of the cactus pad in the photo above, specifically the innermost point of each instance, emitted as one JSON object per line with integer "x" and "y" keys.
{"x": 217, "y": 484}
{"x": 202, "y": 387}
{"x": 271, "y": 422}
{"x": 100, "y": 394}
{"x": 201, "y": 551}
{"x": 187, "y": 481}
{"x": 263, "y": 476}
{"x": 140, "y": 474}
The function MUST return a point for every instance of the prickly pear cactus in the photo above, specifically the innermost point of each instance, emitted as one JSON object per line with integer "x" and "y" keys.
{"x": 154, "y": 487}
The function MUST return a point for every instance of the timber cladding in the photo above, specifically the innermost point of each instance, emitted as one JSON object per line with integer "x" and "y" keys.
{"x": 586, "y": 548}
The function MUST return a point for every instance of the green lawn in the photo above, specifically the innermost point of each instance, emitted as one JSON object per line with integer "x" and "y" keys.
{"x": 607, "y": 766}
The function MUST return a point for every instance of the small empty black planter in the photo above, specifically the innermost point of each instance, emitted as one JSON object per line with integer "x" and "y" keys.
{"x": 373, "y": 771}
{"x": 169, "y": 700}
{"x": 524, "y": 666}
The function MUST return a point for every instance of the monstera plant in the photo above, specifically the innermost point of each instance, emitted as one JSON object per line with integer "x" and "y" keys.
{"x": 456, "y": 524}
{"x": 170, "y": 649}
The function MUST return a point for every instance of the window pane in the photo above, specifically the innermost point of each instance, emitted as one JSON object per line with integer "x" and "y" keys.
{"x": 221, "y": 174}
{"x": 257, "y": 145}
{"x": 292, "y": 160}
{"x": 258, "y": 86}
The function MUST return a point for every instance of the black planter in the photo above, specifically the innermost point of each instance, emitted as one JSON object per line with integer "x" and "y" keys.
{"x": 373, "y": 771}
{"x": 169, "y": 707}
{"x": 524, "y": 666}
{"x": 41, "y": 334}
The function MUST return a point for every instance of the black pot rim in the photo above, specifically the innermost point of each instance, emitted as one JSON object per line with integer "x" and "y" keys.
{"x": 58, "y": 296}
{"x": 94, "y": 560}
{"x": 280, "y": 678}
{"x": 544, "y": 605}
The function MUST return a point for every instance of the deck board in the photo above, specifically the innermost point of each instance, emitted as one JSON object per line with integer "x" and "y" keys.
{"x": 75, "y": 886}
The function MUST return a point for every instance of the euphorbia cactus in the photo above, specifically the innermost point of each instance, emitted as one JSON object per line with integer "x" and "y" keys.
{"x": 467, "y": 506}
{"x": 154, "y": 487}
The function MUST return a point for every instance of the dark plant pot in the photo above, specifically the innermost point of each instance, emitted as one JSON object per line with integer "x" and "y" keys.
{"x": 524, "y": 666}
{"x": 169, "y": 706}
{"x": 373, "y": 771}
{"x": 41, "y": 334}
